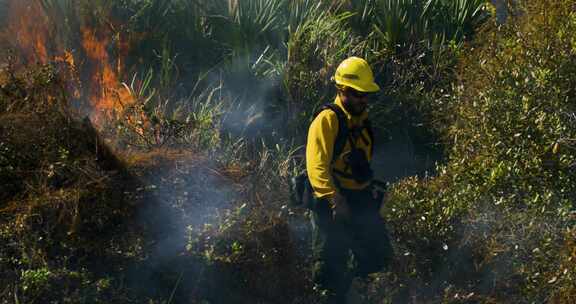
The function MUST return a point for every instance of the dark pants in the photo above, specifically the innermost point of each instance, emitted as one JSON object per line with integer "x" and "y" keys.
{"x": 345, "y": 250}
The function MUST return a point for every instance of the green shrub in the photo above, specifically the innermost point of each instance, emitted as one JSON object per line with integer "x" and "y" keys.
{"x": 502, "y": 209}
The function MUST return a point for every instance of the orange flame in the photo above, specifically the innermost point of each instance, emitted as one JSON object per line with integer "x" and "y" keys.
{"x": 30, "y": 26}
{"x": 107, "y": 95}
{"x": 33, "y": 34}
{"x": 67, "y": 58}
{"x": 71, "y": 73}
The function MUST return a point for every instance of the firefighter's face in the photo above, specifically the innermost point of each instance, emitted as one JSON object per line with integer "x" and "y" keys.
{"x": 355, "y": 101}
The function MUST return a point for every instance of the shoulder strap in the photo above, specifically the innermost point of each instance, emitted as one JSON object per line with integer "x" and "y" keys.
{"x": 342, "y": 128}
{"x": 368, "y": 126}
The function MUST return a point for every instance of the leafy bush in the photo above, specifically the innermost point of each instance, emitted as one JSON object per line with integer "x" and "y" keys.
{"x": 502, "y": 209}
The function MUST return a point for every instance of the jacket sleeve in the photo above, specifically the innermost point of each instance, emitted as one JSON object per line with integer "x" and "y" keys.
{"x": 319, "y": 148}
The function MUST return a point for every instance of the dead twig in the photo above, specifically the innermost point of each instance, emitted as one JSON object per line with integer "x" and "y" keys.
{"x": 5, "y": 291}
{"x": 176, "y": 287}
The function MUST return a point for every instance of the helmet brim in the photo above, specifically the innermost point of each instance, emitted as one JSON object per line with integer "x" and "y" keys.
{"x": 369, "y": 88}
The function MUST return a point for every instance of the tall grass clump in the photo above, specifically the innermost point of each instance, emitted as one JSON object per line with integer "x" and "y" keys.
{"x": 155, "y": 120}
{"x": 315, "y": 49}
{"x": 498, "y": 221}
{"x": 402, "y": 24}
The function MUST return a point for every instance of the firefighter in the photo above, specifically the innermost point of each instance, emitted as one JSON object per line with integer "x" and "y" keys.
{"x": 348, "y": 229}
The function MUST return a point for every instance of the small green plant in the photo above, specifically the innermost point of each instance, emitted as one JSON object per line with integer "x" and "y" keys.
{"x": 35, "y": 280}
{"x": 103, "y": 285}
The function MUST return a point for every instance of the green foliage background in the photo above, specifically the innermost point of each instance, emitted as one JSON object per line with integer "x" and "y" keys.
{"x": 230, "y": 87}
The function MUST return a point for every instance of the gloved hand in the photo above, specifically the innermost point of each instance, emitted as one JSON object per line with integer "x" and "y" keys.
{"x": 340, "y": 208}
{"x": 379, "y": 193}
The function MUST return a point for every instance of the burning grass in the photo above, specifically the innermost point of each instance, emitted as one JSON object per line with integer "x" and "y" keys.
{"x": 82, "y": 220}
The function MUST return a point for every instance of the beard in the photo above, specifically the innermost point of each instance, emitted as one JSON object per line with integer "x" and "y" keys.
{"x": 355, "y": 109}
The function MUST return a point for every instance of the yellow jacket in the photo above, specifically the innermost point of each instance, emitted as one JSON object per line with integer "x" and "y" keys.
{"x": 319, "y": 149}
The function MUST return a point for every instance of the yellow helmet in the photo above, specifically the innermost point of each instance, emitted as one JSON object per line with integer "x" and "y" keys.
{"x": 355, "y": 72}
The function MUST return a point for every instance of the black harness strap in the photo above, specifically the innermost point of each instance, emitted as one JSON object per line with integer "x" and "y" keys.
{"x": 343, "y": 174}
{"x": 343, "y": 130}
{"x": 368, "y": 126}
{"x": 346, "y": 134}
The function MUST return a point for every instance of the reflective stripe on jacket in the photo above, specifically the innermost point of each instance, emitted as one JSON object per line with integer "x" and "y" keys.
{"x": 320, "y": 146}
